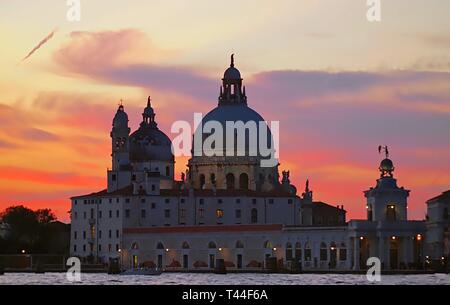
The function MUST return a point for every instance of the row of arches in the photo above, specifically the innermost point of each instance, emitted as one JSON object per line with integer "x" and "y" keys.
{"x": 267, "y": 244}
{"x": 230, "y": 181}
{"x": 185, "y": 245}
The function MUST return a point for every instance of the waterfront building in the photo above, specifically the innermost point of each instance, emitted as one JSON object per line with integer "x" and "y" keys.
{"x": 232, "y": 208}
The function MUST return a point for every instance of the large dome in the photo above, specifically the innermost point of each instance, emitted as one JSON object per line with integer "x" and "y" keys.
{"x": 232, "y": 114}
{"x": 237, "y": 122}
{"x": 233, "y": 146}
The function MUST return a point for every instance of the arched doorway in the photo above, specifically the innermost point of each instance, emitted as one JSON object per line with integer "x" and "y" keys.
{"x": 230, "y": 181}
{"x": 243, "y": 181}
{"x": 393, "y": 253}
{"x": 333, "y": 255}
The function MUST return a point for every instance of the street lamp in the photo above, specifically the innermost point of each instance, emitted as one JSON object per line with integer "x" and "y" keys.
{"x": 23, "y": 251}
{"x": 120, "y": 257}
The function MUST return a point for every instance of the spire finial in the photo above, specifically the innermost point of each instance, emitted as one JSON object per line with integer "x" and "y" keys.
{"x": 149, "y": 101}
{"x": 232, "y": 60}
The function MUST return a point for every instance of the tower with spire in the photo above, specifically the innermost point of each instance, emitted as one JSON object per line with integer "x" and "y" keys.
{"x": 120, "y": 139}
{"x": 386, "y": 201}
{"x": 118, "y": 176}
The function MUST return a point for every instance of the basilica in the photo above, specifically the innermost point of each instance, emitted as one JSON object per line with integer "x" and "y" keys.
{"x": 231, "y": 209}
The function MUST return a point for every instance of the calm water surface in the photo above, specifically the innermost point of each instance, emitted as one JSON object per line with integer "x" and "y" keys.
{"x": 217, "y": 279}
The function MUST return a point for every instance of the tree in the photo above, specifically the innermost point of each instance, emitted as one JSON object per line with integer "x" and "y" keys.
{"x": 30, "y": 230}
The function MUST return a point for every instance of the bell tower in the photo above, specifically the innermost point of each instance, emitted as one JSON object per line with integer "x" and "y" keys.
{"x": 120, "y": 139}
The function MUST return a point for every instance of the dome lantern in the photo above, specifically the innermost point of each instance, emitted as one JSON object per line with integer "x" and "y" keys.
{"x": 231, "y": 89}
{"x": 386, "y": 165}
{"x": 148, "y": 116}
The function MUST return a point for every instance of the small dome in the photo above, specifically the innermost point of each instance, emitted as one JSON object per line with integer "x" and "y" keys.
{"x": 121, "y": 118}
{"x": 148, "y": 144}
{"x": 148, "y": 111}
{"x": 386, "y": 165}
{"x": 232, "y": 74}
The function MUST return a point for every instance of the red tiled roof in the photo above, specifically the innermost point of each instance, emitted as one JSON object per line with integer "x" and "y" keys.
{"x": 203, "y": 229}
{"x": 128, "y": 191}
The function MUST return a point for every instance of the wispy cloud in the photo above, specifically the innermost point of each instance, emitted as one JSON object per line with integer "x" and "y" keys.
{"x": 40, "y": 44}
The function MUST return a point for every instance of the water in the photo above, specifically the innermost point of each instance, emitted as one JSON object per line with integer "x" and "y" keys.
{"x": 217, "y": 279}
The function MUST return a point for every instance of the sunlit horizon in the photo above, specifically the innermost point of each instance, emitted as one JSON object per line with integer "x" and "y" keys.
{"x": 339, "y": 86}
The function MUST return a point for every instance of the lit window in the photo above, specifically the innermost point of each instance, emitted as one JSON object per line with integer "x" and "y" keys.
{"x": 219, "y": 213}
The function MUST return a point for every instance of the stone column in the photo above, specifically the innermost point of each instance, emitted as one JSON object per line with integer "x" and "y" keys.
{"x": 356, "y": 262}
{"x": 381, "y": 250}
{"x": 387, "y": 253}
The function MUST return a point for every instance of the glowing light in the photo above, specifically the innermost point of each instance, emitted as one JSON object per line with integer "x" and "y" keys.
{"x": 120, "y": 250}
{"x": 23, "y": 251}
{"x": 393, "y": 237}
{"x": 419, "y": 237}
{"x": 274, "y": 249}
{"x": 332, "y": 248}
{"x": 362, "y": 237}
{"x": 167, "y": 250}
{"x": 220, "y": 249}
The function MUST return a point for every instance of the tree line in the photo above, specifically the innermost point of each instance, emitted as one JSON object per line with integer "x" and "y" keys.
{"x": 32, "y": 231}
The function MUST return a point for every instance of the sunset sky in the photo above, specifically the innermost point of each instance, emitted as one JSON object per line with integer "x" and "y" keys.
{"x": 338, "y": 84}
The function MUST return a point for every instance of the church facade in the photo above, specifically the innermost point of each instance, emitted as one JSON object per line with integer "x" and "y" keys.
{"x": 233, "y": 209}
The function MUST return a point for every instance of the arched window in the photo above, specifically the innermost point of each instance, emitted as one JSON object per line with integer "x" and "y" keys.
{"x": 323, "y": 251}
{"x": 213, "y": 179}
{"x": 391, "y": 214}
{"x": 135, "y": 246}
{"x": 160, "y": 245}
{"x": 243, "y": 181}
{"x": 298, "y": 250}
{"x": 288, "y": 251}
{"x": 239, "y": 244}
{"x": 268, "y": 244}
{"x": 230, "y": 181}
{"x": 254, "y": 215}
{"x": 202, "y": 181}
{"x": 212, "y": 245}
{"x": 307, "y": 252}
{"x": 369, "y": 212}
{"x": 185, "y": 245}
